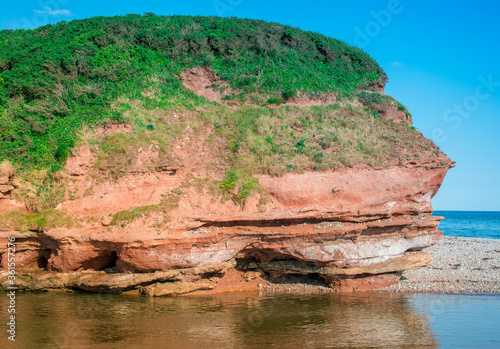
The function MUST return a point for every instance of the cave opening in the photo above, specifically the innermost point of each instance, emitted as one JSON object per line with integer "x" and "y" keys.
{"x": 291, "y": 281}
{"x": 105, "y": 261}
{"x": 109, "y": 264}
{"x": 268, "y": 262}
{"x": 43, "y": 259}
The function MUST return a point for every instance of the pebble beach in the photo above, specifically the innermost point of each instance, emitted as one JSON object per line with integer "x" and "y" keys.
{"x": 460, "y": 265}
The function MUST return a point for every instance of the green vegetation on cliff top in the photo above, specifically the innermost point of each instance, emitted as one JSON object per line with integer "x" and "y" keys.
{"x": 56, "y": 79}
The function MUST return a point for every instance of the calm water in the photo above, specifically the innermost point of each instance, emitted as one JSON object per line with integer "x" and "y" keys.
{"x": 253, "y": 320}
{"x": 473, "y": 224}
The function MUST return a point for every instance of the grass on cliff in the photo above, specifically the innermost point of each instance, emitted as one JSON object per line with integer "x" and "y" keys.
{"x": 291, "y": 139}
{"x": 57, "y": 78}
{"x": 168, "y": 203}
{"x": 38, "y": 221}
{"x": 269, "y": 140}
{"x": 40, "y": 190}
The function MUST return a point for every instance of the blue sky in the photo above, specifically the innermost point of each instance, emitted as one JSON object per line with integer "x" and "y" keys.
{"x": 442, "y": 59}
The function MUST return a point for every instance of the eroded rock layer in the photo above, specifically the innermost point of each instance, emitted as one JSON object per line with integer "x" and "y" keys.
{"x": 355, "y": 228}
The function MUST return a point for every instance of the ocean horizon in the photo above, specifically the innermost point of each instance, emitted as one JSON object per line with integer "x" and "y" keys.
{"x": 472, "y": 224}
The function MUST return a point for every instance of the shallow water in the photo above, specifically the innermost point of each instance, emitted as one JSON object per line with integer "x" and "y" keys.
{"x": 472, "y": 224}
{"x": 253, "y": 320}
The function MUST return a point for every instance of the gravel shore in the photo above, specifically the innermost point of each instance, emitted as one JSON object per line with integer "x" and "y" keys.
{"x": 460, "y": 265}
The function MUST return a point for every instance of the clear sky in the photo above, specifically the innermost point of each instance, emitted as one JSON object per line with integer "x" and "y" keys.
{"x": 442, "y": 59}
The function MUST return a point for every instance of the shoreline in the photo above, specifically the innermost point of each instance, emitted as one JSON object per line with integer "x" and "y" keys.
{"x": 459, "y": 265}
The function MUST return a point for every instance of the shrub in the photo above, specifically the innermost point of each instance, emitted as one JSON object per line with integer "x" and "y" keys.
{"x": 275, "y": 100}
{"x": 230, "y": 181}
{"x": 319, "y": 157}
{"x": 288, "y": 94}
{"x": 246, "y": 189}
{"x": 369, "y": 98}
{"x": 301, "y": 144}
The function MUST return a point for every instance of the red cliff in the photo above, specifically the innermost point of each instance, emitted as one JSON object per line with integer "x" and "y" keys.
{"x": 356, "y": 228}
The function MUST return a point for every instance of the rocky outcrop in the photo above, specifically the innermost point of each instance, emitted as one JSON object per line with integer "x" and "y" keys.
{"x": 171, "y": 282}
{"x": 355, "y": 228}
{"x": 221, "y": 178}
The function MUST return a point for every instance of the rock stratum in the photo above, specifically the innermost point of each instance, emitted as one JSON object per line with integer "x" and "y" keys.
{"x": 189, "y": 155}
{"x": 356, "y": 228}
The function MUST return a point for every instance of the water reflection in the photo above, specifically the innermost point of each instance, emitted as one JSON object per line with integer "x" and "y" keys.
{"x": 240, "y": 320}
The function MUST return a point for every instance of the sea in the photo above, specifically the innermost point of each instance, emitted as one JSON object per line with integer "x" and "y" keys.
{"x": 470, "y": 224}
{"x": 261, "y": 319}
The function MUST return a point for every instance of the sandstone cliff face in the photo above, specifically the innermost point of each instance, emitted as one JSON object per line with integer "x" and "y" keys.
{"x": 175, "y": 199}
{"x": 356, "y": 228}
